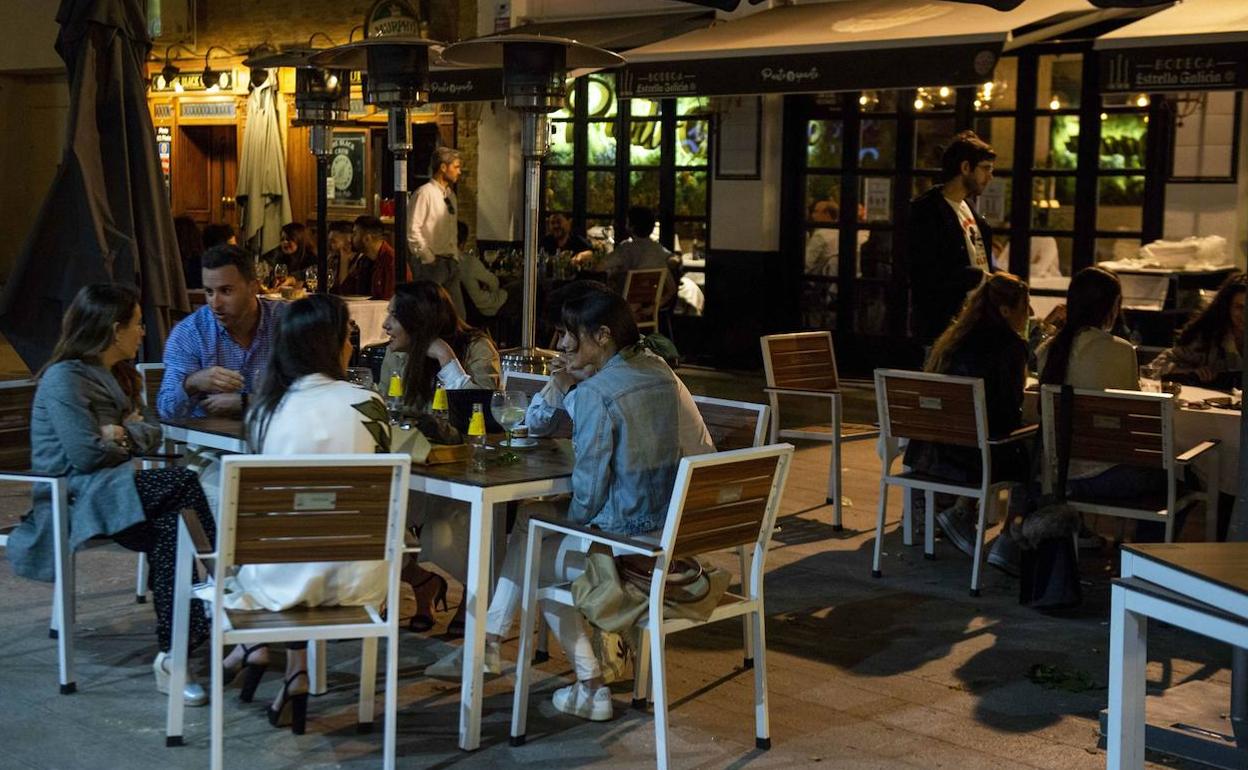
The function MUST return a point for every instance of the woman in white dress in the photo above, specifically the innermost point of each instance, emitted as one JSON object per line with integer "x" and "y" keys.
{"x": 305, "y": 406}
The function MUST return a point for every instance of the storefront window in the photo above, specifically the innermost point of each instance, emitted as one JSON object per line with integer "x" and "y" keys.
{"x": 826, "y": 189}
{"x": 1053, "y": 203}
{"x": 879, "y": 101}
{"x": 1057, "y": 142}
{"x": 601, "y": 137}
{"x": 643, "y": 189}
{"x": 692, "y": 138}
{"x": 824, "y": 143}
{"x": 561, "y": 144}
{"x": 645, "y": 143}
{"x": 931, "y": 137}
{"x": 1059, "y": 82}
{"x": 600, "y": 193}
{"x": 1120, "y": 203}
{"x": 877, "y": 143}
{"x": 1000, "y": 93}
{"x": 999, "y": 132}
{"x": 559, "y": 190}
{"x": 1122, "y": 140}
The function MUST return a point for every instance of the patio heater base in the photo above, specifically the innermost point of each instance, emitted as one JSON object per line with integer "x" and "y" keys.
{"x": 529, "y": 360}
{"x": 1190, "y": 721}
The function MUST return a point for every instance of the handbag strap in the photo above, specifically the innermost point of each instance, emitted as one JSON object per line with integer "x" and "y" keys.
{"x": 1065, "y": 431}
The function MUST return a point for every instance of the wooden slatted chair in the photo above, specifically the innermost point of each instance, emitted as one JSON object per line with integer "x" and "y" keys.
{"x": 942, "y": 409}
{"x": 16, "y": 399}
{"x": 720, "y": 501}
{"x": 298, "y": 508}
{"x": 1127, "y": 427}
{"x": 643, "y": 290}
{"x": 803, "y": 364}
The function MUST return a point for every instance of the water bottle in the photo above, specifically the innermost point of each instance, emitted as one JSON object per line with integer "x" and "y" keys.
{"x": 394, "y": 398}
{"x": 476, "y": 437}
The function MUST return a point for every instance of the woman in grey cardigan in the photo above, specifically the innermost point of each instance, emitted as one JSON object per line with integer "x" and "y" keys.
{"x": 85, "y": 425}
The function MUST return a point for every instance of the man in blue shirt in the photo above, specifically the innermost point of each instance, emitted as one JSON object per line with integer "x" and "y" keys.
{"x": 214, "y": 356}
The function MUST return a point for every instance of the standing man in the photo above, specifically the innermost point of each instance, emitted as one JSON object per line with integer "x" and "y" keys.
{"x": 214, "y": 356}
{"x": 947, "y": 239}
{"x": 432, "y": 253}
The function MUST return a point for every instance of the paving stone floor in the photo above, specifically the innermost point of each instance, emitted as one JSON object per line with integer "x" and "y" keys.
{"x": 904, "y": 671}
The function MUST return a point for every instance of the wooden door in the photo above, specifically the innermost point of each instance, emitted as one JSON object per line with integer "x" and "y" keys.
{"x": 205, "y": 174}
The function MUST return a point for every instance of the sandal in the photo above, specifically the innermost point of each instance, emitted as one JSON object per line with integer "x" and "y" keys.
{"x": 421, "y": 622}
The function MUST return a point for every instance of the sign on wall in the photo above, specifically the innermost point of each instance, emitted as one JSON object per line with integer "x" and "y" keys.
{"x": 1175, "y": 68}
{"x": 346, "y": 182}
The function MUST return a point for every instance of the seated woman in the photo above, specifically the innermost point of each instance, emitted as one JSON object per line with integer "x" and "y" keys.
{"x": 85, "y": 423}
{"x": 1210, "y": 348}
{"x": 627, "y": 449}
{"x": 295, "y": 251}
{"x": 438, "y": 350}
{"x": 985, "y": 340}
{"x": 1086, "y": 355}
{"x": 306, "y": 376}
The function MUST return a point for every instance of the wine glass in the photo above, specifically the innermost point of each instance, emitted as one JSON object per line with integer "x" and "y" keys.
{"x": 262, "y": 271}
{"x": 310, "y": 279}
{"x": 508, "y": 408}
{"x": 279, "y": 274}
{"x": 329, "y": 277}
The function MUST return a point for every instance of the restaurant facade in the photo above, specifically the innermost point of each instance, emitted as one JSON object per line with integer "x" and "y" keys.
{"x": 755, "y": 133}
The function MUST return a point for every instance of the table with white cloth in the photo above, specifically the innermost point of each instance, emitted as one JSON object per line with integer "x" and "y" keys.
{"x": 1191, "y": 426}
{"x": 369, "y": 315}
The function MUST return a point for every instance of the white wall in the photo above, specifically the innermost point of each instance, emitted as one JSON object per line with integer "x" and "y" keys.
{"x": 500, "y": 174}
{"x": 27, "y": 36}
{"x": 745, "y": 214}
{"x": 1202, "y": 145}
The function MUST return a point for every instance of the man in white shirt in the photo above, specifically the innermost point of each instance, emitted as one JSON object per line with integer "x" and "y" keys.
{"x": 431, "y": 231}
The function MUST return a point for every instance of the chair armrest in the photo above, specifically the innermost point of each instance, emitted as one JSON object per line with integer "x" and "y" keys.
{"x": 1197, "y": 451}
{"x": 596, "y": 535}
{"x": 1020, "y": 433}
{"x": 199, "y": 538}
{"x": 797, "y": 392}
{"x": 30, "y": 476}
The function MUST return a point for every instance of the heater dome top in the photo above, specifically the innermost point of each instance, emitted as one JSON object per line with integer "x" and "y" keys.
{"x": 488, "y": 51}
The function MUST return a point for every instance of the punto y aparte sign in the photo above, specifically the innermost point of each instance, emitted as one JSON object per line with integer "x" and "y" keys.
{"x": 1175, "y": 68}
{"x": 811, "y": 72}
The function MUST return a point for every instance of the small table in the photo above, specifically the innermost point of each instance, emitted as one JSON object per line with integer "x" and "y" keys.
{"x": 1202, "y": 587}
{"x": 224, "y": 433}
{"x": 544, "y": 470}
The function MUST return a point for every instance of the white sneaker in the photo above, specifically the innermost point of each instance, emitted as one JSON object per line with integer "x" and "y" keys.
{"x": 577, "y": 700}
{"x": 451, "y": 666}
{"x": 192, "y": 694}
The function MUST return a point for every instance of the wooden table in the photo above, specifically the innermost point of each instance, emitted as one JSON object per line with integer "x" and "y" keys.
{"x": 541, "y": 471}
{"x": 224, "y": 433}
{"x": 1202, "y": 587}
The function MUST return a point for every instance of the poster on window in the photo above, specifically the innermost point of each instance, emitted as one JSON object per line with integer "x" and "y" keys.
{"x": 164, "y": 150}
{"x": 346, "y": 183}
{"x": 991, "y": 204}
{"x": 877, "y": 196}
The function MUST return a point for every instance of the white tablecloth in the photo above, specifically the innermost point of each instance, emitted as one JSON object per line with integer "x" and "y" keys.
{"x": 1191, "y": 426}
{"x": 369, "y": 315}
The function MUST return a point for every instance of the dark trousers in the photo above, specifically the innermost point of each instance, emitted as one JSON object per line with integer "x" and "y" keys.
{"x": 165, "y": 492}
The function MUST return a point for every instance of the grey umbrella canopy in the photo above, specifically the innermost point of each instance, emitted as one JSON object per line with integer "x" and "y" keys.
{"x": 106, "y": 218}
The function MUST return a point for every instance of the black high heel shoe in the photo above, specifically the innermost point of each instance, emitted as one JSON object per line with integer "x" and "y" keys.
{"x": 421, "y": 622}
{"x": 252, "y": 672}
{"x": 298, "y": 704}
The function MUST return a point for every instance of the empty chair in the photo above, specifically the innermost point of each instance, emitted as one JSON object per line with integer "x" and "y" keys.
{"x": 943, "y": 409}
{"x": 720, "y": 501}
{"x": 803, "y": 365}
{"x": 643, "y": 290}
{"x": 1126, "y": 427}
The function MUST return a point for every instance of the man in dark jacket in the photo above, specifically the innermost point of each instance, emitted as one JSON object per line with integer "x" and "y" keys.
{"x": 947, "y": 239}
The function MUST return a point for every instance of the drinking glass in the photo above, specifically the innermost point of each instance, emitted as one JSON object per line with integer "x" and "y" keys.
{"x": 310, "y": 279}
{"x": 329, "y": 276}
{"x": 508, "y": 408}
{"x": 262, "y": 271}
{"x": 360, "y": 375}
{"x": 1150, "y": 378}
{"x": 279, "y": 274}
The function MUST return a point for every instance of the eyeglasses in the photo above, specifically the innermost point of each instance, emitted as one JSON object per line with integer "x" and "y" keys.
{"x": 450, "y": 207}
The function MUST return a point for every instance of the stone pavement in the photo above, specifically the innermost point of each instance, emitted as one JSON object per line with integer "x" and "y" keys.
{"x": 904, "y": 671}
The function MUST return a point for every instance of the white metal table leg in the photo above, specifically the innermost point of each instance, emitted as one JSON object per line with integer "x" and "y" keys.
{"x": 476, "y": 597}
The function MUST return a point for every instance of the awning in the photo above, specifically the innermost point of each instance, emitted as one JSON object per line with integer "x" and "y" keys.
{"x": 613, "y": 33}
{"x": 1197, "y": 45}
{"x": 841, "y": 46}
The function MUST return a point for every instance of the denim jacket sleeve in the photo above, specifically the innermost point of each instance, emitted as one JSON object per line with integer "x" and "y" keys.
{"x": 593, "y": 442}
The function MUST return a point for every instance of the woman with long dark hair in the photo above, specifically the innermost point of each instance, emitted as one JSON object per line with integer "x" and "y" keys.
{"x": 1210, "y": 348}
{"x": 985, "y": 340}
{"x": 86, "y": 425}
{"x": 295, "y": 250}
{"x": 438, "y": 350}
{"x": 305, "y": 406}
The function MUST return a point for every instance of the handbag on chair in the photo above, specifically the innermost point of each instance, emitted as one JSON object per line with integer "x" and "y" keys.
{"x": 1050, "y": 569}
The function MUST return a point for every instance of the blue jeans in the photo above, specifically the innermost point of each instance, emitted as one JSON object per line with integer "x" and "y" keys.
{"x": 1128, "y": 482}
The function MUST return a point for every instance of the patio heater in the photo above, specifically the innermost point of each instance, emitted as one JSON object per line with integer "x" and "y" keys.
{"x": 534, "y": 69}
{"x": 322, "y": 101}
{"x": 394, "y": 60}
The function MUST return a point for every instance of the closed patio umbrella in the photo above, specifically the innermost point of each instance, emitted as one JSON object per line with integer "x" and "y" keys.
{"x": 262, "y": 186}
{"x": 106, "y": 218}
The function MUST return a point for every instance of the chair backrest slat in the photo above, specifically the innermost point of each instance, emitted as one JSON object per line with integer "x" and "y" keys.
{"x": 643, "y": 293}
{"x": 16, "y": 399}
{"x": 732, "y": 424}
{"x": 293, "y": 514}
{"x": 803, "y": 361}
{"x": 725, "y": 505}
{"x": 1110, "y": 428}
{"x": 926, "y": 409}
